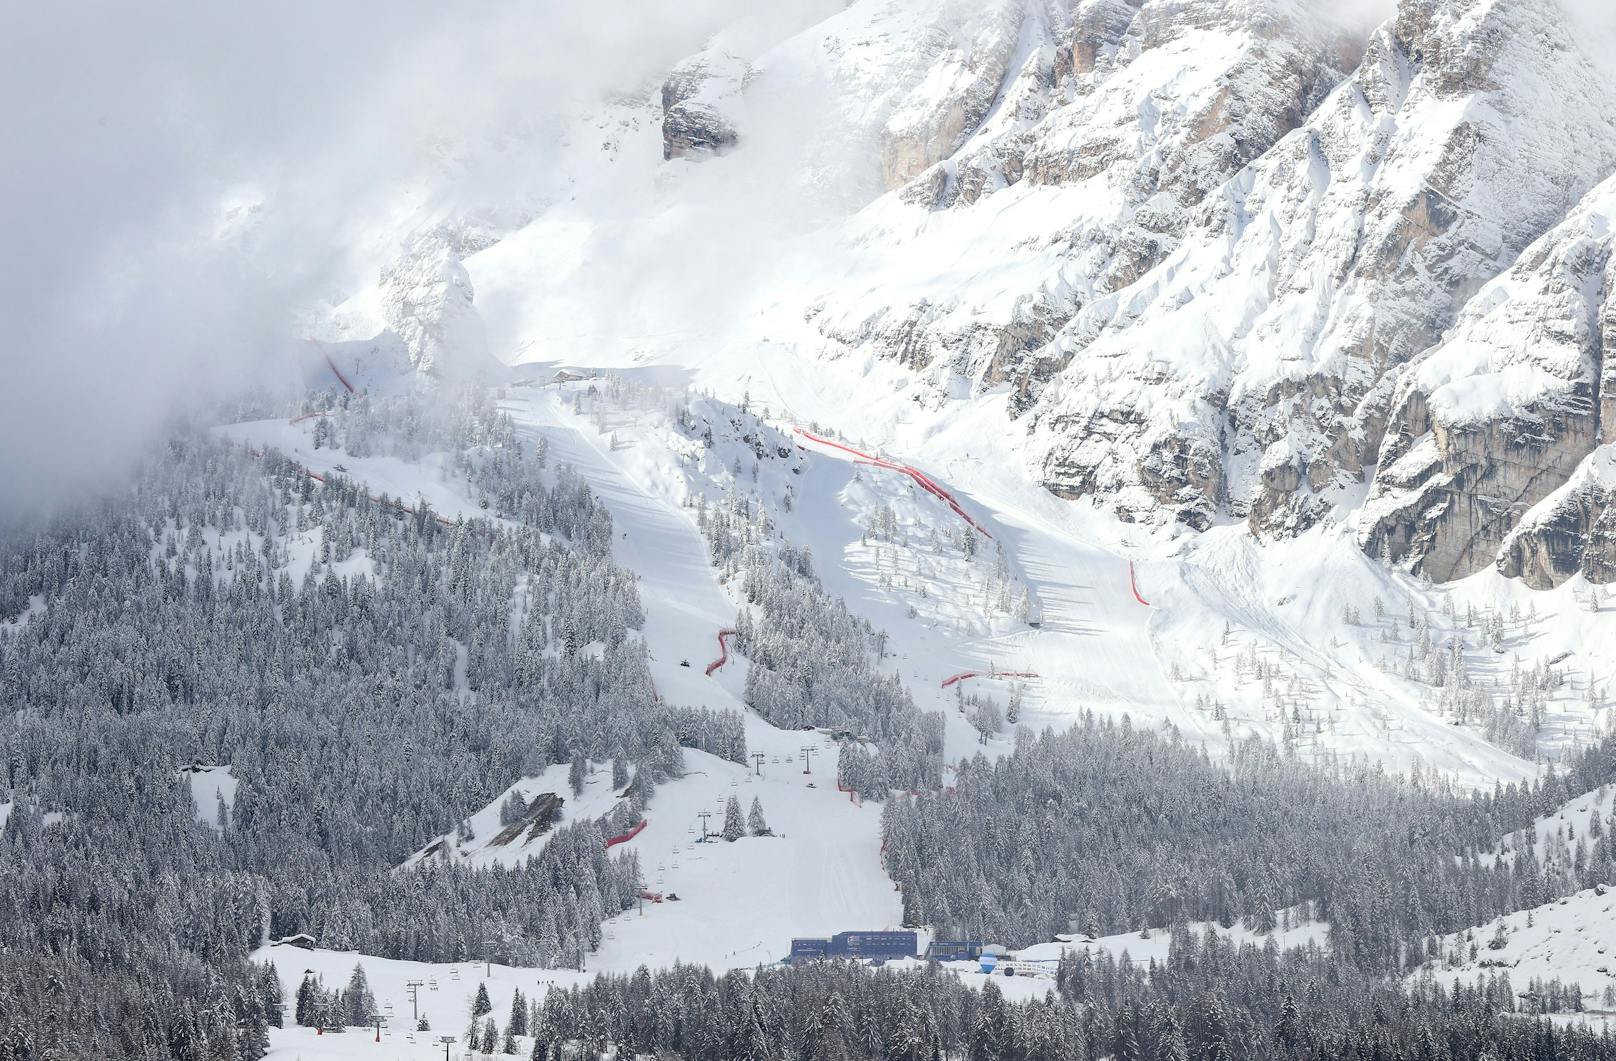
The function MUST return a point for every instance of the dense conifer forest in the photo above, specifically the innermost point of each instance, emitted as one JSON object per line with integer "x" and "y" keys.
{"x": 371, "y": 674}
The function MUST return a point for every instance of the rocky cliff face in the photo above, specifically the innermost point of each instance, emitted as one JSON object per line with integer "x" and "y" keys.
{"x": 1572, "y": 531}
{"x": 1493, "y": 419}
{"x": 1274, "y": 337}
{"x": 695, "y": 98}
{"x": 1110, "y": 139}
{"x": 1242, "y": 260}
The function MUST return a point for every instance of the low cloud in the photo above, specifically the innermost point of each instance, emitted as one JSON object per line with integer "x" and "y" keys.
{"x": 180, "y": 181}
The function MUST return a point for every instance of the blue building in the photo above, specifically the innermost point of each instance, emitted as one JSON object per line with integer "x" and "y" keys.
{"x": 954, "y": 950}
{"x": 805, "y": 949}
{"x": 865, "y": 946}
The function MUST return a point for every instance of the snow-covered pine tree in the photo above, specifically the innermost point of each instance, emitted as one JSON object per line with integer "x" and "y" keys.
{"x": 734, "y": 824}
{"x": 358, "y": 1004}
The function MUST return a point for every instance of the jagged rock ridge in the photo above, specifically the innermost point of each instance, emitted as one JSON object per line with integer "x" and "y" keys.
{"x": 1231, "y": 243}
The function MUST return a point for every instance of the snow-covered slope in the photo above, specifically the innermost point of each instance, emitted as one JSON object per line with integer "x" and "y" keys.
{"x": 1571, "y": 940}
{"x": 738, "y": 904}
{"x": 1307, "y": 643}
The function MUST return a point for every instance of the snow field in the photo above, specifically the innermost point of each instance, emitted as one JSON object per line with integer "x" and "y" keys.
{"x": 209, "y": 785}
{"x": 444, "y": 997}
{"x": 1554, "y": 836}
{"x": 1291, "y": 668}
{"x": 1572, "y": 939}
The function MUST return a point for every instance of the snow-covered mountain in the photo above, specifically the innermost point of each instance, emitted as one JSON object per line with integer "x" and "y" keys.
{"x": 1233, "y": 290}
{"x": 1130, "y": 482}
{"x": 1216, "y": 262}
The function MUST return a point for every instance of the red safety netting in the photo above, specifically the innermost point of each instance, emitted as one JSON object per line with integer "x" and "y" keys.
{"x": 631, "y": 834}
{"x": 1133, "y": 585}
{"x": 337, "y": 372}
{"x": 723, "y": 651}
{"x": 920, "y": 478}
{"x": 962, "y": 675}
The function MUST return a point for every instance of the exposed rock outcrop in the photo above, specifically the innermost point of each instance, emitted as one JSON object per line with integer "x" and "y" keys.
{"x": 694, "y": 99}
{"x": 930, "y": 126}
{"x": 1276, "y": 334}
{"x": 1093, "y": 164}
{"x": 1571, "y": 531}
{"x": 1495, "y": 417}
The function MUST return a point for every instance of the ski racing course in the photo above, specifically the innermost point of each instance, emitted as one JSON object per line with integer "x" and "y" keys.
{"x": 822, "y": 870}
{"x": 1092, "y": 646}
{"x": 1131, "y": 620}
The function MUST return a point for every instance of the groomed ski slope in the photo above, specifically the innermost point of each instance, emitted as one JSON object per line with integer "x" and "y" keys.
{"x": 1219, "y": 603}
{"x": 1097, "y": 647}
{"x": 739, "y": 903}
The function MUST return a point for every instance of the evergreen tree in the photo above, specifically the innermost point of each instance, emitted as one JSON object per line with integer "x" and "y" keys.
{"x": 517, "y": 1024}
{"x": 358, "y": 1005}
{"x": 991, "y": 1033}
{"x": 734, "y": 824}
{"x": 307, "y": 996}
{"x": 269, "y": 986}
